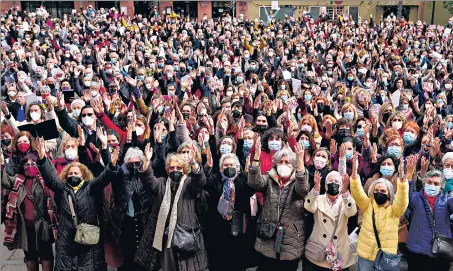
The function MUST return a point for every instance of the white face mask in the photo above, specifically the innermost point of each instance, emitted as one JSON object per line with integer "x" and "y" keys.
{"x": 70, "y": 154}
{"x": 11, "y": 93}
{"x": 148, "y": 86}
{"x": 87, "y": 83}
{"x": 448, "y": 173}
{"x": 76, "y": 113}
{"x": 448, "y": 86}
{"x": 139, "y": 131}
{"x": 284, "y": 171}
{"x": 94, "y": 93}
{"x": 307, "y": 128}
{"x": 397, "y": 125}
{"x": 320, "y": 162}
{"x": 35, "y": 116}
{"x": 87, "y": 121}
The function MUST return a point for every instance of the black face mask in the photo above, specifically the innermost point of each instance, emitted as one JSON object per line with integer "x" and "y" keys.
{"x": 186, "y": 116}
{"x": 260, "y": 128}
{"x": 323, "y": 88}
{"x": 229, "y": 172}
{"x": 236, "y": 114}
{"x": 74, "y": 181}
{"x": 202, "y": 74}
{"x": 52, "y": 86}
{"x": 182, "y": 70}
{"x": 380, "y": 198}
{"x": 344, "y": 132}
{"x": 176, "y": 176}
{"x": 6, "y": 142}
{"x": 386, "y": 116}
{"x": 321, "y": 108}
{"x": 333, "y": 189}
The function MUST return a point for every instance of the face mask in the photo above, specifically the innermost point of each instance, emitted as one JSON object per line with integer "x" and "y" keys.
{"x": 324, "y": 88}
{"x": 248, "y": 143}
{"x": 447, "y": 86}
{"x": 321, "y": 108}
{"x": 275, "y": 145}
{"x": 224, "y": 148}
{"x": 386, "y": 116}
{"x": 140, "y": 78}
{"x": 284, "y": 98}
{"x": 284, "y": 171}
{"x": 236, "y": 114}
{"x": 349, "y": 154}
{"x": 307, "y": 128}
{"x": 186, "y": 115}
{"x": 6, "y": 142}
{"x": 432, "y": 190}
{"x": 148, "y": 86}
{"x": 35, "y": 116}
{"x": 176, "y": 176}
{"x": 31, "y": 171}
{"x": 76, "y": 113}
{"x": 350, "y": 78}
{"x": 139, "y": 131}
{"x": 448, "y": 173}
{"x": 397, "y": 125}
{"x": 405, "y": 107}
{"x": 239, "y": 79}
{"x": 163, "y": 137}
{"x": 409, "y": 138}
{"x": 23, "y": 147}
{"x": 387, "y": 171}
{"x": 360, "y": 132}
{"x": 160, "y": 65}
{"x": 94, "y": 93}
{"x": 333, "y": 189}
{"x": 306, "y": 143}
{"x": 87, "y": 121}
{"x": 344, "y": 132}
{"x": 440, "y": 102}
{"x": 348, "y": 115}
{"x": 11, "y": 93}
{"x": 260, "y": 128}
{"x": 380, "y": 198}
{"x": 229, "y": 172}
{"x": 74, "y": 181}
{"x": 108, "y": 71}
{"x": 282, "y": 87}
{"x": 307, "y": 97}
{"x": 87, "y": 83}
{"x": 160, "y": 109}
{"x": 394, "y": 151}
{"x": 70, "y": 154}
{"x": 320, "y": 162}
{"x": 448, "y": 125}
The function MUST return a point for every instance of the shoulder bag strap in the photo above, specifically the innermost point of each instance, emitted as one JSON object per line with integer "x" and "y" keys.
{"x": 32, "y": 199}
{"x": 71, "y": 206}
{"x": 433, "y": 211}
{"x": 336, "y": 222}
{"x": 376, "y": 232}
{"x": 283, "y": 207}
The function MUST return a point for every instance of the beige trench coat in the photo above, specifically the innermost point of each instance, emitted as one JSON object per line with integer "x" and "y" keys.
{"x": 325, "y": 223}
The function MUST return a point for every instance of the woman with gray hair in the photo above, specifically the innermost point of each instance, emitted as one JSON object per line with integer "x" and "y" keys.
{"x": 280, "y": 230}
{"x": 430, "y": 211}
{"x": 331, "y": 213}
{"x": 381, "y": 210}
{"x": 229, "y": 220}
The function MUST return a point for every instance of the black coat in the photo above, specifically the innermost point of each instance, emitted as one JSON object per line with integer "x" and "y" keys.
{"x": 88, "y": 207}
{"x": 220, "y": 243}
{"x": 146, "y": 255}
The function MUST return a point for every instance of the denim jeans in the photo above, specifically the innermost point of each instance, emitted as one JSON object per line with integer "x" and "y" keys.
{"x": 365, "y": 265}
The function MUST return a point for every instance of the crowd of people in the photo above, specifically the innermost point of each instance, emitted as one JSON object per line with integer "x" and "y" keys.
{"x": 167, "y": 143}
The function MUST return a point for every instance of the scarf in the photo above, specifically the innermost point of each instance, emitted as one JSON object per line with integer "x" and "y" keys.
{"x": 163, "y": 215}
{"x": 227, "y": 199}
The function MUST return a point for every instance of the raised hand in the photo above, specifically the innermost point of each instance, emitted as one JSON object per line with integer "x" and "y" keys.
{"x": 81, "y": 135}
{"x": 158, "y": 134}
{"x": 343, "y": 151}
{"x": 424, "y": 166}
{"x": 148, "y": 152}
{"x": 435, "y": 147}
{"x": 60, "y": 100}
{"x": 374, "y": 153}
{"x": 328, "y": 126}
{"x": 355, "y": 165}
{"x": 257, "y": 144}
{"x": 345, "y": 186}
{"x": 411, "y": 163}
{"x": 5, "y": 109}
{"x": 300, "y": 151}
{"x": 41, "y": 148}
{"x": 317, "y": 179}
{"x": 97, "y": 106}
{"x": 102, "y": 135}
{"x": 333, "y": 146}
{"x": 401, "y": 173}
{"x": 115, "y": 155}
{"x": 241, "y": 126}
{"x": 96, "y": 151}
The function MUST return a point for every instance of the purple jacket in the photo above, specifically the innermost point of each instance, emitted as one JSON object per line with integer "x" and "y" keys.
{"x": 420, "y": 231}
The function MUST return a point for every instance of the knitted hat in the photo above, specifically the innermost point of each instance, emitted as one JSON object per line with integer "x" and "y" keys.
{"x": 448, "y": 155}
{"x": 78, "y": 101}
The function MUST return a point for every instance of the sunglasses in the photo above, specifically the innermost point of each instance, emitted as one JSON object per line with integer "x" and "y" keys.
{"x": 88, "y": 114}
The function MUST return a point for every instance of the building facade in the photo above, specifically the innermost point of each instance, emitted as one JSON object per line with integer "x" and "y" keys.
{"x": 412, "y": 10}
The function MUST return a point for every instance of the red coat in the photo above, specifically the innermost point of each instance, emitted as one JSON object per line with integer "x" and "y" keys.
{"x": 108, "y": 124}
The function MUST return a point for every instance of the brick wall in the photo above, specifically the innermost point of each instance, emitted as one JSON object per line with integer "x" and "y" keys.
{"x": 204, "y": 7}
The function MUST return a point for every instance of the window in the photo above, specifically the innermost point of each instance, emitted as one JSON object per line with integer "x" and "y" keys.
{"x": 30, "y": 6}
{"x": 220, "y": 7}
{"x": 54, "y": 8}
{"x": 333, "y": 12}
{"x": 314, "y": 11}
{"x": 278, "y": 14}
{"x": 354, "y": 12}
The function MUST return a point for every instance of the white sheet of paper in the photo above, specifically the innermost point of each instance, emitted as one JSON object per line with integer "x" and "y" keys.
{"x": 296, "y": 85}
{"x": 396, "y": 98}
{"x": 447, "y": 32}
{"x": 30, "y": 98}
{"x": 124, "y": 10}
{"x": 286, "y": 75}
{"x": 274, "y": 5}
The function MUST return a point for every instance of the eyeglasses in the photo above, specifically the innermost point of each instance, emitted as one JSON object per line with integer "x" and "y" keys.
{"x": 30, "y": 164}
{"x": 88, "y": 114}
{"x": 360, "y": 126}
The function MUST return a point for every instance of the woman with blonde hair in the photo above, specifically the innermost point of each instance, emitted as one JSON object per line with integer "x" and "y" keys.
{"x": 396, "y": 122}
{"x": 385, "y": 112}
{"x": 348, "y": 111}
{"x": 78, "y": 196}
{"x": 361, "y": 100}
{"x": 309, "y": 124}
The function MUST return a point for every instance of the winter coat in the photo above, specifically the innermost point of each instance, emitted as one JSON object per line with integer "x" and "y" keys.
{"x": 218, "y": 229}
{"x": 421, "y": 221}
{"x": 149, "y": 257}
{"x": 387, "y": 220}
{"x": 20, "y": 240}
{"x": 324, "y": 226}
{"x": 88, "y": 203}
{"x": 292, "y": 218}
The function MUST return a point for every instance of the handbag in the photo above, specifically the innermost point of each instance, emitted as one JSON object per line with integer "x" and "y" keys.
{"x": 317, "y": 251}
{"x": 442, "y": 246}
{"x": 384, "y": 261}
{"x": 46, "y": 227}
{"x": 265, "y": 229}
{"x": 186, "y": 239}
{"x": 86, "y": 234}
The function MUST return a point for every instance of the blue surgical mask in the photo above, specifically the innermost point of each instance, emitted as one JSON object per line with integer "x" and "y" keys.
{"x": 306, "y": 143}
{"x": 440, "y": 102}
{"x": 140, "y": 77}
{"x": 160, "y": 65}
{"x": 163, "y": 137}
{"x": 432, "y": 190}
{"x": 449, "y": 125}
{"x": 360, "y": 132}
{"x": 160, "y": 109}
{"x": 408, "y": 137}
{"x": 394, "y": 151}
{"x": 224, "y": 148}
{"x": 239, "y": 79}
{"x": 307, "y": 97}
{"x": 275, "y": 145}
{"x": 248, "y": 143}
{"x": 405, "y": 106}
{"x": 349, "y": 154}
{"x": 387, "y": 171}
{"x": 284, "y": 98}
{"x": 348, "y": 115}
